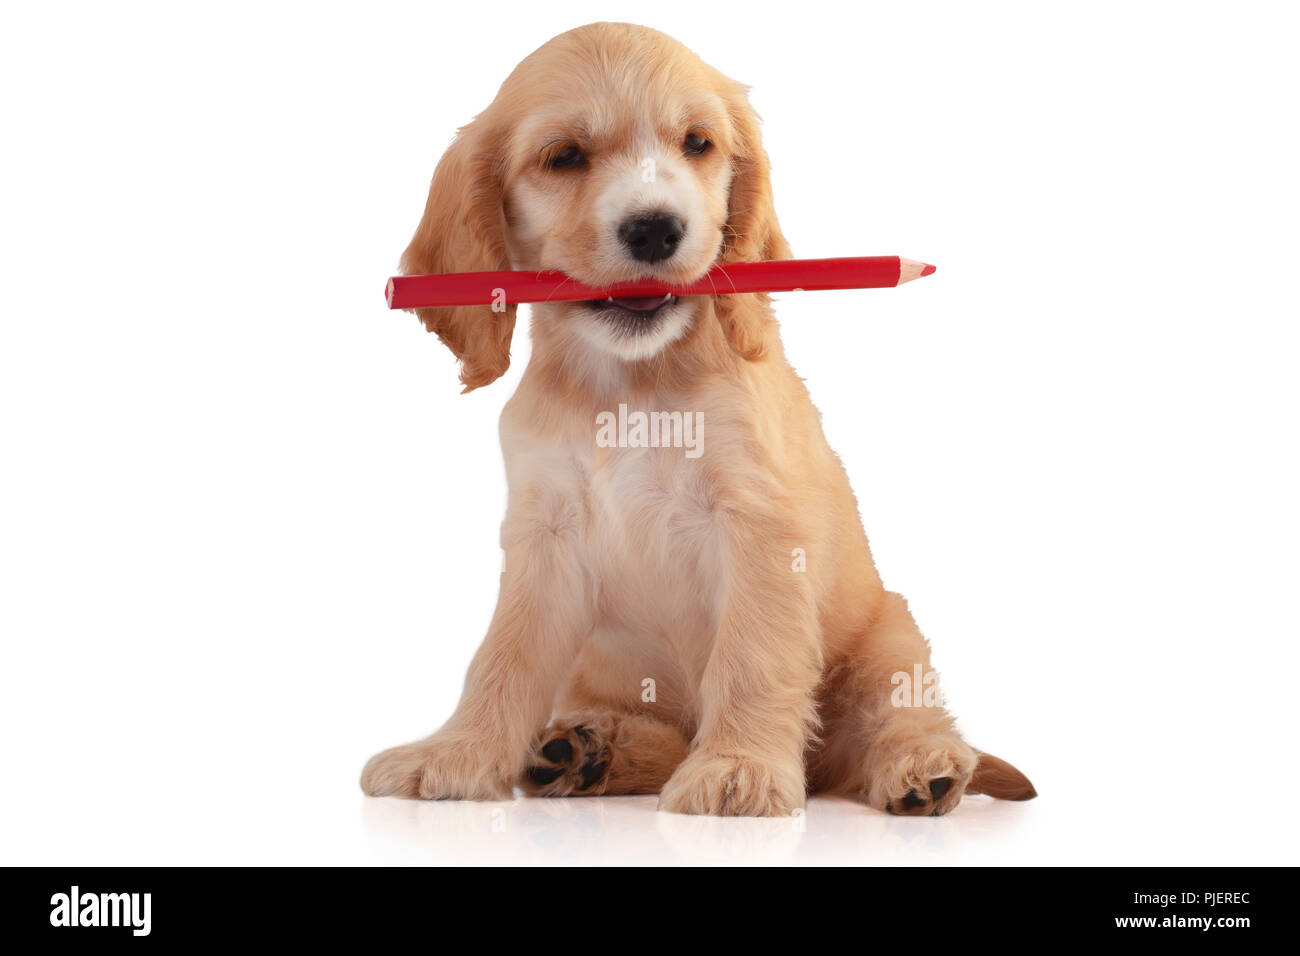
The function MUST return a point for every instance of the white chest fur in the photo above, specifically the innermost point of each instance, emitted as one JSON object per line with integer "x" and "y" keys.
{"x": 635, "y": 518}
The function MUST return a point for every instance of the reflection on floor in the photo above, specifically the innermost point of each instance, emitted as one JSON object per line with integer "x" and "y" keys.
{"x": 629, "y": 831}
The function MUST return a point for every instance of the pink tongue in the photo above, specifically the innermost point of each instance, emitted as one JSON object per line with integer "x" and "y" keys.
{"x": 640, "y": 305}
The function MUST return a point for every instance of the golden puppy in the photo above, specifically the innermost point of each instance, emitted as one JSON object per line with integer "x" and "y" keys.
{"x": 689, "y": 605}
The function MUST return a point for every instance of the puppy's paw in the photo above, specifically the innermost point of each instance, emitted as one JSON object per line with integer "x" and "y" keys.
{"x": 733, "y": 786}
{"x": 572, "y": 756}
{"x": 446, "y": 766}
{"x": 925, "y": 777}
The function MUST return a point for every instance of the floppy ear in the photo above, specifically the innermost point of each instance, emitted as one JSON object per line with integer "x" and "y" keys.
{"x": 463, "y": 231}
{"x": 752, "y": 233}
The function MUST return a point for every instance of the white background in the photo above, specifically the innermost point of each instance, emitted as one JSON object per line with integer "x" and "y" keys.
{"x": 248, "y": 529}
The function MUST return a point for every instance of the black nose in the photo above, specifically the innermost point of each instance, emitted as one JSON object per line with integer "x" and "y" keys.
{"x": 652, "y": 238}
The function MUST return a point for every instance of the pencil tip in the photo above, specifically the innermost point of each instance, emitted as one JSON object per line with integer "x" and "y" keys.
{"x": 909, "y": 269}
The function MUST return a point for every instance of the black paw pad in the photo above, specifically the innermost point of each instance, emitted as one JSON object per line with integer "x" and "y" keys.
{"x": 939, "y": 787}
{"x": 590, "y": 773}
{"x": 913, "y": 800}
{"x": 558, "y": 750}
{"x": 544, "y": 775}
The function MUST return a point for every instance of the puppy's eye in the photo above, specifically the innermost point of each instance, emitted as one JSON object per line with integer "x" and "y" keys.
{"x": 696, "y": 145}
{"x": 568, "y": 158}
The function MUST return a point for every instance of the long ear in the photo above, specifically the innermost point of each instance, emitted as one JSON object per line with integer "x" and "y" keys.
{"x": 463, "y": 231}
{"x": 752, "y": 234}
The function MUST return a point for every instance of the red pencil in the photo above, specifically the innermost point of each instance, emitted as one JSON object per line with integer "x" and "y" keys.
{"x": 781, "y": 275}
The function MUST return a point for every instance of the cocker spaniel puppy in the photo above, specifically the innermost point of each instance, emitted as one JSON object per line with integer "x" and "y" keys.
{"x": 689, "y": 605}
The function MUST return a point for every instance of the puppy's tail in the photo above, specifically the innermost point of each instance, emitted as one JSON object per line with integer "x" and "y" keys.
{"x": 997, "y": 778}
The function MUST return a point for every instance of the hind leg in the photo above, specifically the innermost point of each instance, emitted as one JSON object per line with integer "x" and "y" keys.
{"x": 600, "y": 752}
{"x": 901, "y": 754}
{"x": 917, "y": 766}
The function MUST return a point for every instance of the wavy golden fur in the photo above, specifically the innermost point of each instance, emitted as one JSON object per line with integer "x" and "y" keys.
{"x": 710, "y": 628}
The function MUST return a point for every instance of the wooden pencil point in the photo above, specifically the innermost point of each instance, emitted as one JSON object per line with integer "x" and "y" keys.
{"x": 909, "y": 269}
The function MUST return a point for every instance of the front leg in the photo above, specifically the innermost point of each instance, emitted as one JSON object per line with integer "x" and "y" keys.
{"x": 757, "y": 706}
{"x": 541, "y": 618}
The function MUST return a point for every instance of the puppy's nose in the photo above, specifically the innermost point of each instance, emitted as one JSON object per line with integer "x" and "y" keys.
{"x": 652, "y": 238}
